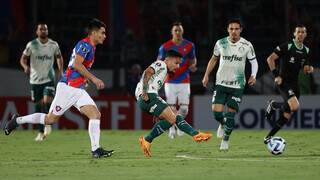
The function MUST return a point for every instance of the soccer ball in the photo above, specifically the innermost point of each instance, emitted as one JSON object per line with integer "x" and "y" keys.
{"x": 276, "y": 145}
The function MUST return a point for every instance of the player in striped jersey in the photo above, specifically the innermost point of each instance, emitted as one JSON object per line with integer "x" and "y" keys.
{"x": 177, "y": 84}
{"x": 70, "y": 91}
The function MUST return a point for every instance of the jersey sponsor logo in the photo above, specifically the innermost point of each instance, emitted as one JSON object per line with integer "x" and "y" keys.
{"x": 236, "y": 82}
{"x": 232, "y": 58}
{"x": 300, "y": 52}
{"x": 44, "y": 57}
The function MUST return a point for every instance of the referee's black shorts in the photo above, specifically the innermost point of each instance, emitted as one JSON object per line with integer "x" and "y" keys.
{"x": 288, "y": 90}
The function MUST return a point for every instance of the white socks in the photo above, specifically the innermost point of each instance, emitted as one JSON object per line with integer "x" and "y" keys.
{"x": 94, "y": 133}
{"x": 36, "y": 118}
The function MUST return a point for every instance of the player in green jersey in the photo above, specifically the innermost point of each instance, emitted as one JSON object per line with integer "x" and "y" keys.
{"x": 37, "y": 60}
{"x": 232, "y": 52}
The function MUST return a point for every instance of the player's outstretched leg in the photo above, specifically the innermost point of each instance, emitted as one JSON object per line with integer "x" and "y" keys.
{"x": 221, "y": 119}
{"x": 159, "y": 128}
{"x": 228, "y": 127}
{"x": 220, "y": 130}
{"x": 270, "y": 110}
{"x": 145, "y": 146}
{"x": 11, "y": 125}
{"x": 279, "y": 124}
{"x": 185, "y": 127}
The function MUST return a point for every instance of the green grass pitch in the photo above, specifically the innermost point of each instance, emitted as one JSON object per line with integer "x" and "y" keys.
{"x": 66, "y": 155}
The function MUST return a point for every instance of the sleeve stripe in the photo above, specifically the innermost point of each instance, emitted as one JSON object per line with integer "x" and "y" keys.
{"x": 252, "y": 59}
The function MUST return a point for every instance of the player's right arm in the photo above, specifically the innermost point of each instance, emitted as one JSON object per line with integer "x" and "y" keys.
{"x": 24, "y": 58}
{"x": 274, "y": 56}
{"x": 161, "y": 53}
{"x": 210, "y": 66}
{"x": 85, "y": 73}
{"x": 146, "y": 77}
{"x": 24, "y": 63}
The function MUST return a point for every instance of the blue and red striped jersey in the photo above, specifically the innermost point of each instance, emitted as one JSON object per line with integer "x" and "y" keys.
{"x": 71, "y": 76}
{"x": 187, "y": 49}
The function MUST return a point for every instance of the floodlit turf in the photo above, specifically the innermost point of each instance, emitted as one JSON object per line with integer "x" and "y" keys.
{"x": 66, "y": 155}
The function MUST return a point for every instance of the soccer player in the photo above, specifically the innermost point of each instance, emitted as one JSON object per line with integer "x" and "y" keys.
{"x": 292, "y": 55}
{"x": 42, "y": 52}
{"x": 177, "y": 85}
{"x": 150, "y": 102}
{"x": 232, "y": 52}
{"x": 70, "y": 90}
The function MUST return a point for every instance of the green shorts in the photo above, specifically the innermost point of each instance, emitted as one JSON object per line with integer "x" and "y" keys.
{"x": 38, "y": 91}
{"x": 227, "y": 96}
{"x": 154, "y": 106}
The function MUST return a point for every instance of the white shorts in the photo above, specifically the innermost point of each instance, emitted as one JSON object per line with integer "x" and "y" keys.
{"x": 177, "y": 92}
{"x": 67, "y": 96}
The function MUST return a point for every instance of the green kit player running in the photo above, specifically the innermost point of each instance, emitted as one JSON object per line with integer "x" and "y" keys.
{"x": 150, "y": 102}
{"x": 42, "y": 52}
{"x": 233, "y": 52}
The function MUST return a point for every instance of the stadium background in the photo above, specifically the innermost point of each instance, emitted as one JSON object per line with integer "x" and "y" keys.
{"x": 135, "y": 30}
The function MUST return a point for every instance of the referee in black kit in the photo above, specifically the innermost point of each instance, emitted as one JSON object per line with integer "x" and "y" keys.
{"x": 292, "y": 55}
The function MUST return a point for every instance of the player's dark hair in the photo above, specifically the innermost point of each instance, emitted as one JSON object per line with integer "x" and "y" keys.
{"x": 176, "y": 23}
{"x": 299, "y": 25}
{"x": 94, "y": 25}
{"x": 173, "y": 53}
{"x": 39, "y": 23}
{"x": 235, "y": 20}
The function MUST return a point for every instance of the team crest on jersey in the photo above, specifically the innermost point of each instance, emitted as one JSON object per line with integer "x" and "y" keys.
{"x": 292, "y": 60}
{"x": 241, "y": 49}
{"x": 58, "y": 108}
{"x": 290, "y": 92}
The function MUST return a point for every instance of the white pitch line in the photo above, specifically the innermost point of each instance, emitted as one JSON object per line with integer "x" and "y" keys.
{"x": 314, "y": 159}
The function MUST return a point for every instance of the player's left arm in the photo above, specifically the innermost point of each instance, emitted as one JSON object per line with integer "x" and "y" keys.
{"x": 254, "y": 71}
{"x": 254, "y": 66}
{"x": 307, "y": 67}
{"x": 161, "y": 53}
{"x": 59, "y": 60}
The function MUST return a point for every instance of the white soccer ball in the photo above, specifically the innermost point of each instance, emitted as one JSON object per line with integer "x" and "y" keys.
{"x": 276, "y": 145}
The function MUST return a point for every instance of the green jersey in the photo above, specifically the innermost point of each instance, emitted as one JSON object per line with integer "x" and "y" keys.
{"x": 42, "y": 57}
{"x": 233, "y": 56}
{"x": 157, "y": 79}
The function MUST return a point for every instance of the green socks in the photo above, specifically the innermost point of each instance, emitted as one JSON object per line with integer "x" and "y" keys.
{"x": 163, "y": 125}
{"x": 218, "y": 116}
{"x": 184, "y": 126}
{"x": 159, "y": 128}
{"x": 229, "y": 125}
